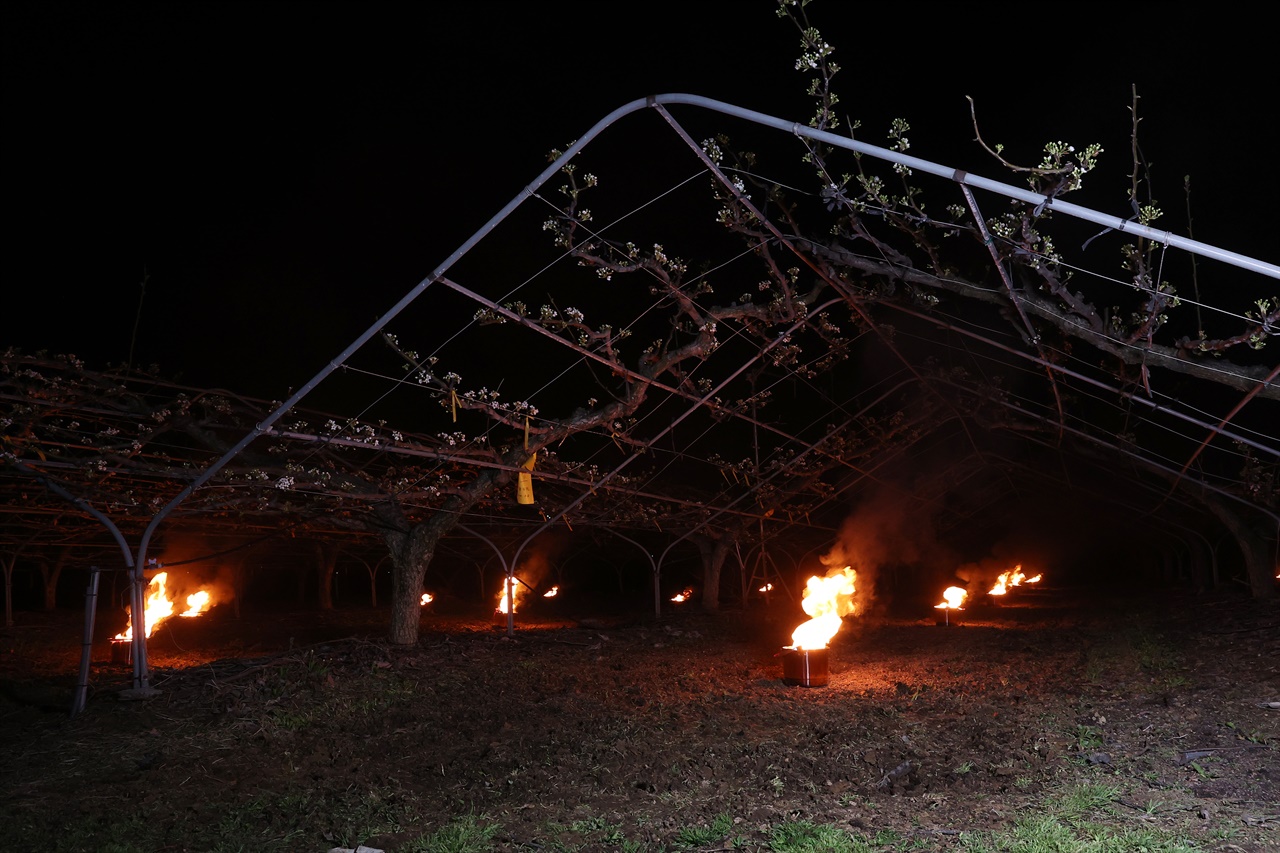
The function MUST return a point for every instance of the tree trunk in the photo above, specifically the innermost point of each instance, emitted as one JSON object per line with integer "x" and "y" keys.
{"x": 714, "y": 552}
{"x": 50, "y": 576}
{"x": 326, "y": 564}
{"x": 408, "y": 567}
{"x": 235, "y": 571}
{"x": 1258, "y": 549}
{"x": 8, "y": 589}
{"x": 1203, "y": 560}
{"x": 411, "y": 547}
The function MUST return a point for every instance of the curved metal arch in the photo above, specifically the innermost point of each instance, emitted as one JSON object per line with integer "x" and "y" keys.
{"x": 141, "y": 677}
{"x": 508, "y": 569}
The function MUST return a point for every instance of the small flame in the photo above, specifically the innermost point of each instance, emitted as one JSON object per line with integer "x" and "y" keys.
{"x": 160, "y": 606}
{"x": 197, "y": 603}
{"x": 551, "y": 593}
{"x": 1013, "y": 577}
{"x": 766, "y": 588}
{"x": 427, "y": 598}
{"x": 954, "y": 596}
{"x": 683, "y": 595}
{"x": 828, "y": 600}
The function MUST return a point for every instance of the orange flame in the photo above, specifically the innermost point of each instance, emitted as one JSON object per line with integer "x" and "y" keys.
{"x": 551, "y": 593}
{"x": 426, "y": 599}
{"x": 954, "y": 597}
{"x": 1013, "y": 577}
{"x": 197, "y": 603}
{"x": 160, "y": 606}
{"x": 827, "y": 600}
{"x": 766, "y": 588}
{"x": 517, "y": 592}
{"x": 684, "y": 595}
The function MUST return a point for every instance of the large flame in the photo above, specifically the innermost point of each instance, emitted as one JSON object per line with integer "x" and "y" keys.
{"x": 1008, "y": 580}
{"x": 828, "y": 600}
{"x": 160, "y": 606}
{"x": 953, "y": 597}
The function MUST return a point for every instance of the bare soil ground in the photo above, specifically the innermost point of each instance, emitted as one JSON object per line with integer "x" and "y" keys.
{"x": 305, "y": 731}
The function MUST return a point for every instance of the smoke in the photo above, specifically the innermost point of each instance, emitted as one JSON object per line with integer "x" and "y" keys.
{"x": 537, "y": 562}
{"x": 881, "y": 536}
{"x": 536, "y": 565}
{"x": 196, "y": 562}
{"x": 981, "y": 575}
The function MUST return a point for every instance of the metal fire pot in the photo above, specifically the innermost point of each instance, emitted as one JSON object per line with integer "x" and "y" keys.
{"x": 947, "y": 616}
{"x": 121, "y": 651}
{"x": 805, "y": 667}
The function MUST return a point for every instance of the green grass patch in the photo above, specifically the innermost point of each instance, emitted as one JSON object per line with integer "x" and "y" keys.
{"x": 1081, "y": 800}
{"x": 1063, "y": 825}
{"x": 465, "y": 834}
{"x": 803, "y": 836}
{"x": 1047, "y": 833}
{"x": 700, "y": 836}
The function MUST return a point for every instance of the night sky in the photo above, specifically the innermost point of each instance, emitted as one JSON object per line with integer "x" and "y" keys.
{"x": 284, "y": 172}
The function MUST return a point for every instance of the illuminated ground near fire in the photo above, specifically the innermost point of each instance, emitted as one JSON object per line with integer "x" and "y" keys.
{"x": 302, "y": 731}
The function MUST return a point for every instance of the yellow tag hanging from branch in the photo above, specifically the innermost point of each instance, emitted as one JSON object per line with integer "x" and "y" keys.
{"x": 524, "y": 482}
{"x": 453, "y": 404}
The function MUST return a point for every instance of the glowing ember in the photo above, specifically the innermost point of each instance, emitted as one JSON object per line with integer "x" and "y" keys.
{"x": 954, "y": 596}
{"x": 766, "y": 588}
{"x": 160, "y": 606}
{"x": 551, "y": 593}
{"x": 683, "y": 595}
{"x": 1008, "y": 580}
{"x": 827, "y": 600}
{"x": 516, "y": 589}
{"x": 427, "y": 598}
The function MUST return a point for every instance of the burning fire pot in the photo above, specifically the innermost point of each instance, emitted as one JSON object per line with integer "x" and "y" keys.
{"x": 827, "y": 600}
{"x": 948, "y": 612}
{"x": 948, "y": 616}
{"x": 121, "y": 651}
{"x": 805, "y": 667}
